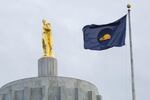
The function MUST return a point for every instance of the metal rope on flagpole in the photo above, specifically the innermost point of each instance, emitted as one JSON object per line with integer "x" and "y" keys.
{"x": 131, "y": 55}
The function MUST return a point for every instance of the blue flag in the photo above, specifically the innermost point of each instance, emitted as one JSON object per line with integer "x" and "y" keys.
{"x": 101, "y": 37}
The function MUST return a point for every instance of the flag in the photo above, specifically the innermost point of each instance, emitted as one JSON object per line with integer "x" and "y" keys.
{"x": 101, "y": 37}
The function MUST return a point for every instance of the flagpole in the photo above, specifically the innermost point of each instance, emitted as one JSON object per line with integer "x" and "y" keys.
{"x": 131, "y": 55}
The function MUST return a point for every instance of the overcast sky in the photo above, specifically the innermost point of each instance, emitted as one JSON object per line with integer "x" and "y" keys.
{"x": 109, "y": 70}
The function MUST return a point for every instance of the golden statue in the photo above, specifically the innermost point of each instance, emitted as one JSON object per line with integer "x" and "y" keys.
{"x": 47, "y": 40}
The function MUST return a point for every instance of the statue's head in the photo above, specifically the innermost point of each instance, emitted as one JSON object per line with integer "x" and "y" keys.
{"x": 46, "y": 24}
{"x": 44, "y": 21}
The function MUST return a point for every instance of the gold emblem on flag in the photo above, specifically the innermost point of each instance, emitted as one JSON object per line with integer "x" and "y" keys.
{"x": 105, "y": 37}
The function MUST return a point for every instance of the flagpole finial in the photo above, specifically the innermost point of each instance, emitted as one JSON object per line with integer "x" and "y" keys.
{"x": 128, "y": 6}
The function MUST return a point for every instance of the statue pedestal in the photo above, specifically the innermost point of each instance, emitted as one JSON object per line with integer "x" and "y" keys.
{"x": 47, "y": 66}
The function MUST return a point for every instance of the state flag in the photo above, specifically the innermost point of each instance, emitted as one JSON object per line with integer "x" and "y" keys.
{"x": 101, "y": 37}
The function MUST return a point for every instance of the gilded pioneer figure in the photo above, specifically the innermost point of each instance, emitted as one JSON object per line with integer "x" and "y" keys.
{"x": 47, "y": 40}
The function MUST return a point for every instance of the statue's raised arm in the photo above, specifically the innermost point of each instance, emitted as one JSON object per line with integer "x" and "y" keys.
{"x": 47, "y": 40}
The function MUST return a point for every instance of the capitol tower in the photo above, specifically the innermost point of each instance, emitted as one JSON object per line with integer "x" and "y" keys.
{"x": 49, "y": 86}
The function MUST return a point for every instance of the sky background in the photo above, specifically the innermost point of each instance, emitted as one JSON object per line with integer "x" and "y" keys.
{"x": 109, "y": 70}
